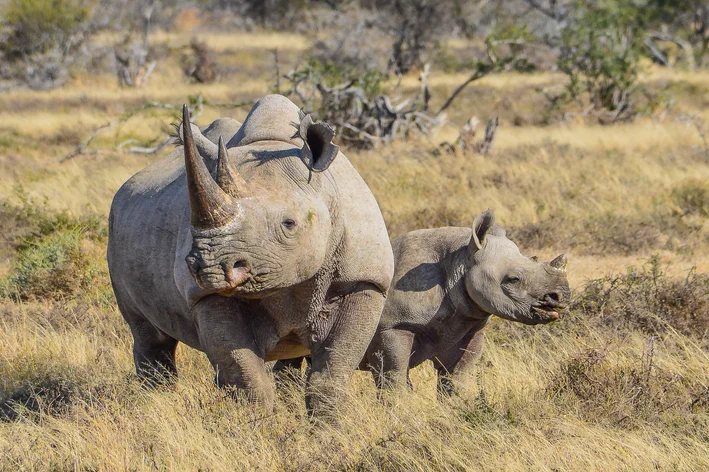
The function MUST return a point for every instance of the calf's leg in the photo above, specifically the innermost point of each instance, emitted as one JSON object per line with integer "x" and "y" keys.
{"x": 388, "y": 358}
{"x": 459, "y": 358}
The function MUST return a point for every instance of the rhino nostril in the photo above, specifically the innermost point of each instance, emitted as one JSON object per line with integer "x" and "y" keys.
{"x": 553, "y": 297}
{"x": 240, "y": 265}
{"x": 238, "y": 274}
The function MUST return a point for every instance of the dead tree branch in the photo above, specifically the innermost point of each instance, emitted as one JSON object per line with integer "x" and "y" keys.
{"x": 686, "y": 47}
{"x": 478, "y": 74}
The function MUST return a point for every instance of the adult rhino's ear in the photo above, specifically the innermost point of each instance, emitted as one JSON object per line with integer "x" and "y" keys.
{"x": 482, "y": 225}
{"x": 318, "y": 151}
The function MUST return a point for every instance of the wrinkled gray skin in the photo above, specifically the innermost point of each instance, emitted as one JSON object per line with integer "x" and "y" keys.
{"x": 274, "y": 248}
{"x": 447, "y": 282}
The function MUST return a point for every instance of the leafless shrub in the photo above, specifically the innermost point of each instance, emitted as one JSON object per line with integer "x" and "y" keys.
{"x": 352, "y": 100}
{"x": 648, "y": 300}
{"x": 465, "y": 143}
{"x": 623, "y": 392}
{"x": 133, "y": 68}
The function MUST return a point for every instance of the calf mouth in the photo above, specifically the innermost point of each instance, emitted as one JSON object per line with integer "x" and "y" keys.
{"x": 546, "y": 313}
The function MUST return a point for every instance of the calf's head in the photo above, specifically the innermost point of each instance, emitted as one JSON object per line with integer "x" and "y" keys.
{"x": 252, "y": 239}
{"x": 503, "y": 282}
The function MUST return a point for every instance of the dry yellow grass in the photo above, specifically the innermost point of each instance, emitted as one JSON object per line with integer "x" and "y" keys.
{"x": 606, "y": 195}
{"x": 90, "y": 414}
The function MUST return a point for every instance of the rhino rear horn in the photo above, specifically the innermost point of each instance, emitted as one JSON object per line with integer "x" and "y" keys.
{"x": 211, "y": 206}
{"x": 559, "y": 263}
{"x": 318, "y": 151}
{"x": 231, "y": 182}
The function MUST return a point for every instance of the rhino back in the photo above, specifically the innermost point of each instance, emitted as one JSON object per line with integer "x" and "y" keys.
{"x": 422, "y": 260}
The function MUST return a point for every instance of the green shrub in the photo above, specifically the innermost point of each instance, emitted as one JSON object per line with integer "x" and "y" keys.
{"x": 36, "y": 26}
{"x": 55, "y": 255}
{"x": 599, "y": 53}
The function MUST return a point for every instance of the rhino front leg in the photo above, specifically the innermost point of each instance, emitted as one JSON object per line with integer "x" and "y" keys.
{"x": 336, "y": 357}
{"x": 460, "y": 358}
{"x": 231, "y": 347}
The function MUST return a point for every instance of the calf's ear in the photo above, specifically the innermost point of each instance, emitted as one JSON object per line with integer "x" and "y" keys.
{"x": 482, "y": 225}
{"x": 318, "y": 151}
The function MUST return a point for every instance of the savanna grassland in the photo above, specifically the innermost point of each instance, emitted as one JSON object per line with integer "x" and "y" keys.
{"x": 621, "y": 382}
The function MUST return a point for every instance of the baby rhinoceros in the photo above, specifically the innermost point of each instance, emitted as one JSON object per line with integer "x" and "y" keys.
{"x": 447, "y": 282}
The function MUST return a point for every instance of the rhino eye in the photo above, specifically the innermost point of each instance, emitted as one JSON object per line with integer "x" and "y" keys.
{"x": 511, "y": 279}
{"x": 288, "y": 223}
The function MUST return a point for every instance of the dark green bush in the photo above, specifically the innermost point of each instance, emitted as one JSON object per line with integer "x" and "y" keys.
{"x": 599, "y": 53}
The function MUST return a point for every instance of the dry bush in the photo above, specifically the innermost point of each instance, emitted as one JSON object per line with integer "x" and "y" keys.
{"x": 648, "y": 301}
{"x": 692, "y": 197}
{"x": 201, "y": 66}
{"x": 622, "y": 391}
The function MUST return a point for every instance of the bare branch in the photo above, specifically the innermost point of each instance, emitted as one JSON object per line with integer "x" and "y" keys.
{"x": 82, "y": 147}
{"x": 478, "y": 74}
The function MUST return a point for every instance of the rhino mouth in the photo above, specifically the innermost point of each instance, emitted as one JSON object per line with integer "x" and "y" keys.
{"x": 219, "y": 278}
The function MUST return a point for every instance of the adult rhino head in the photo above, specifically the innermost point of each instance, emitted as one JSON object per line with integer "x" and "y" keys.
{"x": 506, "y": 283}
{"x": 253, "y": 237}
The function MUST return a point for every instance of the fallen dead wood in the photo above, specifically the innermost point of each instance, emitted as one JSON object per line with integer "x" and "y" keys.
{"x": 196, "y": 109}
{"x": 465, "y": 143}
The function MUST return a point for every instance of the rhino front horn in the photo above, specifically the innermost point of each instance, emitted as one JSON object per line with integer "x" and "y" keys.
{"x": 559, "y": 263}
{"x": 211, "y": 206}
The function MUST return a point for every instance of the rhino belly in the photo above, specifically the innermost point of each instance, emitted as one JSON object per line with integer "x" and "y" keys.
{"x": 289, "y": 347}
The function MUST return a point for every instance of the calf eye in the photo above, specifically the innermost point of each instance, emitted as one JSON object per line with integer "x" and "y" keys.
{"x": 511, "y": 279}
{"x": 288, "y": 223}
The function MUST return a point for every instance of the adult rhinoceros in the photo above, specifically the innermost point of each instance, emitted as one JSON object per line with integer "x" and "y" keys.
{"x": 273, "y": 248}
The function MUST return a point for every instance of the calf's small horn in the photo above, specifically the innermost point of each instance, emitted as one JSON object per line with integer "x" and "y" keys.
{"x": 559, "y": 263}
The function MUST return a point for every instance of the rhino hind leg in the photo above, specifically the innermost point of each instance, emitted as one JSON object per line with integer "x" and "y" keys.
{"x": 153, "y": 354}
{"x": 335, "y": 359}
